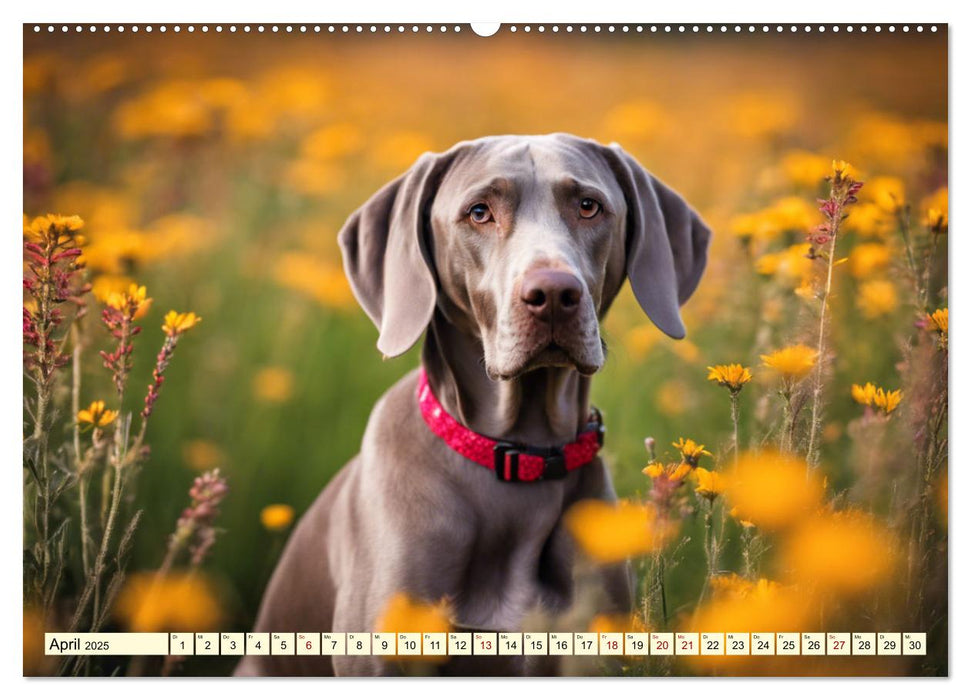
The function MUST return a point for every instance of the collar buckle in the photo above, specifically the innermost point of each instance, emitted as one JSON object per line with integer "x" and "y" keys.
{"x": 506, "y": 461}
{"x": 596, "y": 425}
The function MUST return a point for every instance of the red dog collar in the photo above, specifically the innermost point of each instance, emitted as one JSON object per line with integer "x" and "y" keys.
{"x": 510, "y": 461}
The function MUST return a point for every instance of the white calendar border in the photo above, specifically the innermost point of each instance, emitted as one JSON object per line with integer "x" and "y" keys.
{"x": 829, "y": 11}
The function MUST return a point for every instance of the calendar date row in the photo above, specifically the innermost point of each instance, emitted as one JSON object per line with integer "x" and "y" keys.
{"x": 489, "y": 644}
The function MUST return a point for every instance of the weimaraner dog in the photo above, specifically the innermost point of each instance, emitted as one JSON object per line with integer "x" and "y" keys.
{"x": 506, "y": 252}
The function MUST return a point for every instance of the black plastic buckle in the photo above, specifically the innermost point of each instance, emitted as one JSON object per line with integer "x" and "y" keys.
{"x": 507, "y": 454}
{"x": 596, "y": 424}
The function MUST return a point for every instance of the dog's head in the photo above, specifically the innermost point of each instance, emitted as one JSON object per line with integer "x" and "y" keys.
{"x": 523, "y": 242}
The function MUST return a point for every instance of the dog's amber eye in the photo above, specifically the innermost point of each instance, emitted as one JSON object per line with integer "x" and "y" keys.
{"x": 589, "y": 208}
{"x": 480, "y": 214}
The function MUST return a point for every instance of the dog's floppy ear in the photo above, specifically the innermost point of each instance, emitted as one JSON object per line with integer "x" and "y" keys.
{"x": 667, "y": 243}
{"x": 386, "y": 257}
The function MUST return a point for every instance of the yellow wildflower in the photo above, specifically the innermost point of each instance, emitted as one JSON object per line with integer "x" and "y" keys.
{"x": 115, "y": 251}
{"x": 612, "y": 532}
{"x": 877, "y": 298}
{"x": 886, "y": 192}
{"x": 53, "y": 224}
{"x": 785, "y": 214}
{"x": 733, "y": 377}
{"x": 762, "y": 115}
{"x": 937, "y": 323}
{"x": 317, "y": 278}
{"x": 173, "y": 108}
{"x": 673, "y": 397}
{"x": 176, "y": 323}
{"x": 711, "y": 484}
{"x": 772, "y": 490}
{"x": 791, "y": 266}
{"x": 333, "y": 141}
{"x": 398, "y": 150}
{"x": 103, "y": 286}
{"x": 36, "y": 662}
{"x": 203, "y": 455}
{"x": 805, "y": 169}
{"x": 640, "y": 339}
{"x": 96, "y": 415}
{"x": 736, "y": 586}
{"x": 741, "y": 521}
{"x": 846, "y": 552}
{"x": 691, "y": 451}
{"x": 174, "y": 602}
{"x": 792, "y": 363}
{"x": 887, "y": 400}
{"x": 402, "y": 613}
{"x": 867, "y": 258}
{"x": 276, "y": 517}
{"x": 134, "y": 301}
{"x": 745, "y": 606}
{"x": 314, "y": 177}
{"x": 842, "y": 169}
{"x": 863, "y": 394}
{"x": 671, "y": 472}
{"x": 871, "y": 220}
{"x": 273, "y": 384}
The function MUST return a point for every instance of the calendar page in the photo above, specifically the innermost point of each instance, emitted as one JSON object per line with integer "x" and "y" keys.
{"x": 520, "y": 349}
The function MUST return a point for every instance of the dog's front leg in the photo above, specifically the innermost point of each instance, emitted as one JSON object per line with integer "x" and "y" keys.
{"x": 424, "y": 558}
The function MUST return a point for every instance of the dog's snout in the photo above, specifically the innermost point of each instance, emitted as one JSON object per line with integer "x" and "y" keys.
{"x": 550, "y": 294}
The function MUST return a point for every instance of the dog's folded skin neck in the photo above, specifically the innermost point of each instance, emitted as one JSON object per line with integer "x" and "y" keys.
{"x": 543, "y": 407}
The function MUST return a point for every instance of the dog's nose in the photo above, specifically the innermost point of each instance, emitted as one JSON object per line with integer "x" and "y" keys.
{"x": 550, "y": 294}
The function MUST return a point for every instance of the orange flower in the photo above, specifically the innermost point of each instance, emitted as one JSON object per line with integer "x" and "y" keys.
{"x": 792, "y": 363}
{"x": 403, "y": 613}
{"x": 711, "y": 484}
{"x": 612, "y": 532}
{"x": 937, "y": 323}
{"x": 176, "y": 323}
{"x": 772, "y": 490}
{"x": 733, "y": 377}
{"x": 691, "y": 451}
{"x": 671, "y": 472}
{"x": 870, "y": 395}
{"x": 177, "y": 601}
{"x": 887, "y": 400}
{"x": 842, "y": 553}
{"x": 273, "y": 384}
{"x": 134, "y": 302}
{"x": 96, "y": 415}
{"x": 276, "y": 517}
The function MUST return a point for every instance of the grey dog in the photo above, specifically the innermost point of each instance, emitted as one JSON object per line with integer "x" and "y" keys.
{"x": 506, "y": 252}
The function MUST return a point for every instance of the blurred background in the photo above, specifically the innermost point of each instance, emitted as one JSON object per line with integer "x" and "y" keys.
{"x": 217, "y": 169}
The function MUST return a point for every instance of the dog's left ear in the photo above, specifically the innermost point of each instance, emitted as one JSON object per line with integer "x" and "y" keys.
{"x": 667, "y": 243}
{"x": 386, "y": 258}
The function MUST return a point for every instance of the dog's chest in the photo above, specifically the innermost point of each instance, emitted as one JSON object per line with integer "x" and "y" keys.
{"x": 521, "y": 561}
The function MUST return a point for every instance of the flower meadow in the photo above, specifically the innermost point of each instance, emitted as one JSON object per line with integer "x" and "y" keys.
{"x": 196, "y": 368}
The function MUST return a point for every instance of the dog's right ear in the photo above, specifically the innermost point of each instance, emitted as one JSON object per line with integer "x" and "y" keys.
{"x": 386, "y": 258}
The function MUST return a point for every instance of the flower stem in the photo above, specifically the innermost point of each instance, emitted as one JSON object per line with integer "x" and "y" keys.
{"x": 735, "y": 444}
{"x": 93, "y": 584}
{"x": 812, "y": 458}
{"x": 78, "y": 457}
{"x": 711, "y": 553}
